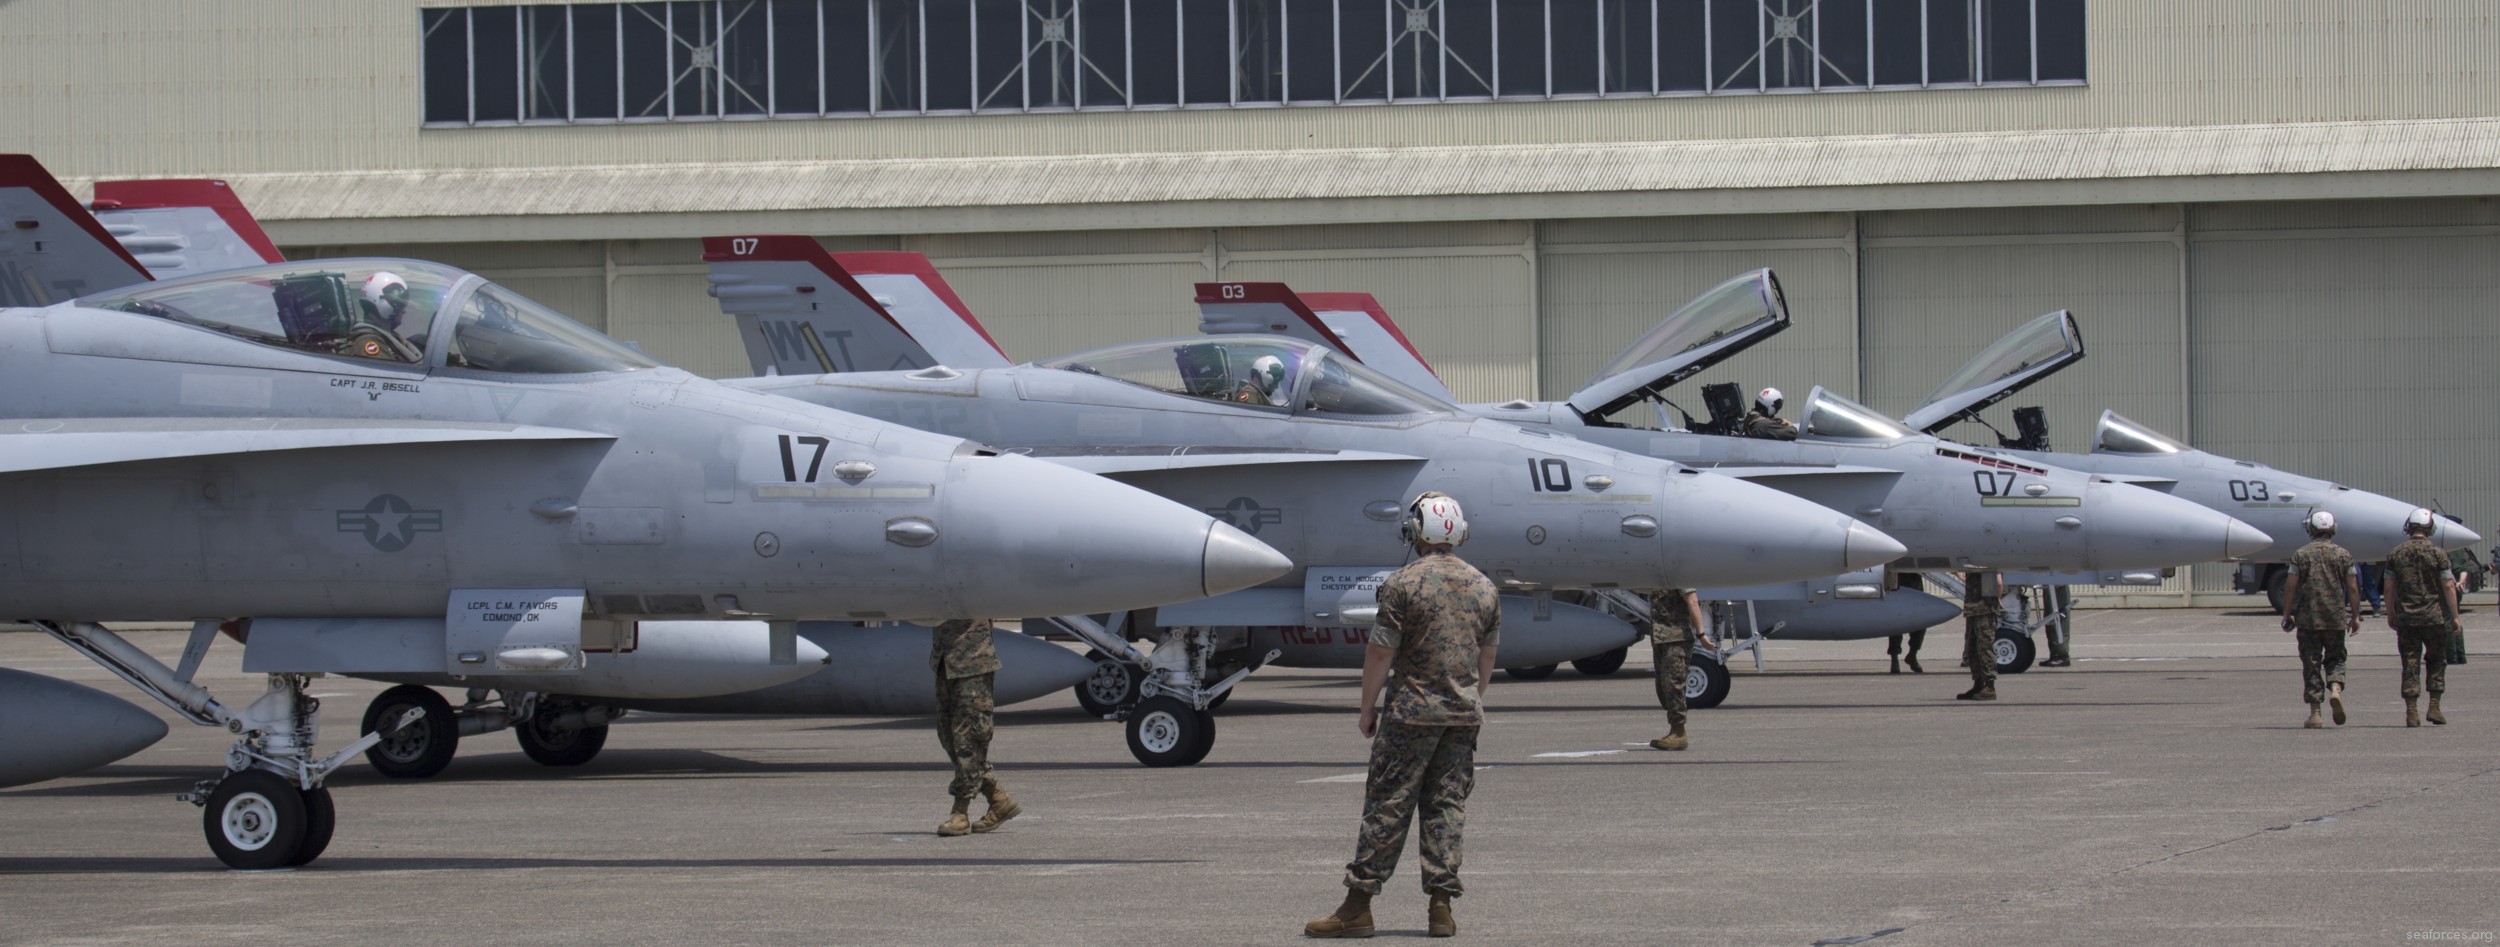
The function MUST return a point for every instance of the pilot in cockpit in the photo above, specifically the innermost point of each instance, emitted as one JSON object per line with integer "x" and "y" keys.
{"x": 1266, "y": 384}
{"x": 1765, "y": 421}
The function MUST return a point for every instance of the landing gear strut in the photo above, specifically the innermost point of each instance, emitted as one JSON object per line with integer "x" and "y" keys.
{"x": 1171, "y": 724}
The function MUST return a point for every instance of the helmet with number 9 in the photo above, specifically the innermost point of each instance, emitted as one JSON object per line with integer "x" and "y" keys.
{"x": 1434, "y": 519}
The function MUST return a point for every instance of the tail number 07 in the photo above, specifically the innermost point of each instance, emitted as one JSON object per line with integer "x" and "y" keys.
{"x": 1993, "y": 483}
{"x": 743, "y": 246}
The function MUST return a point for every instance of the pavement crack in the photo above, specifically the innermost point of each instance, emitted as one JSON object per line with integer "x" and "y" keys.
{"x": 2313, "y": 820}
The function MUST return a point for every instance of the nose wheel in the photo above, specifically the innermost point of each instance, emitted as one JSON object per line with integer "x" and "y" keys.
{"x": 256, "y": 820}
{"x": 1706, "y": 684}
{"x": 1167, "y": 731}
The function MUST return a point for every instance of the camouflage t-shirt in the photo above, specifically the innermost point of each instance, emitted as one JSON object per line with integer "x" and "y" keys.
{"x": 2321, "y": 567}
{"x": 1440, "y": 614}
{"x": 962, "y": 648}
{"x": 2419, "y": 570}
{"x": 1670, "y": 620}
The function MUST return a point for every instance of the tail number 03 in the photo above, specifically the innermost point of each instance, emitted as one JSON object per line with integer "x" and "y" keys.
{"x": 1232, "y": 291}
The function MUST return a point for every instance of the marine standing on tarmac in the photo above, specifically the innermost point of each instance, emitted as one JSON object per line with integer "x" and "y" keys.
{"x": 2322, "y": 606}
{"x": 2422, "y": 608}
{"x": 1674, "y": 620}
{"x": 966, "y": 662}
{"x": 1917, "y": 639}
{"x": 1765, "y": 421}
{"x": 1981, "y": 606}
{"x": 1439, "y": 624}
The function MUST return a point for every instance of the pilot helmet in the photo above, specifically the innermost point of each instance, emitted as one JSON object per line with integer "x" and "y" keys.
{"x": 387, "y": 293}
{"x": 2419, "y": 521}
{"x": 1434, "y": 519}
{"x": 1268, "y": 372}
{"x": 1769, "y": 401}
{"x": 2321, "y": 523}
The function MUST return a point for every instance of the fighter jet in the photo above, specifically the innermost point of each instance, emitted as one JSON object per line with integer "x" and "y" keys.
{"x": 388, "y": 464}
{"x": 1317, "y": 455}
{"x": 2367, "y": 524}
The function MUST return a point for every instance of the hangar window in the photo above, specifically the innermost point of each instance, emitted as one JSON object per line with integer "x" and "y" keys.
{"x": 715, "y": 59}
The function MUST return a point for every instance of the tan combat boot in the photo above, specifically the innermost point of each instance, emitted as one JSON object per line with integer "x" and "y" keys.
{"x": 959, "y": 821}
{"x": 2434, "y": 715}
{"x": 2334, "y": 699}
{"x": 1002, "y": 808}
{"x": 1438, "y": 922}
{"x": 1674, "y": 740}
{"x": 1351, "y": 919}
{"x": 2413, "y": 717}
{"x": 2315, "y": 722}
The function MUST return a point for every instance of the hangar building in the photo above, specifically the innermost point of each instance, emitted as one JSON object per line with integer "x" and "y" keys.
{"x": 2277, "y": 220}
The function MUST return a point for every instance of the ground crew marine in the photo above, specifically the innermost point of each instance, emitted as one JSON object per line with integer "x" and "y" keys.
{"x": 1981, "y": 608}
{"x": 1674, "y": 621}
{"x": 965, "y": 661}
{"x": 2320, "y": 609}
{"x": 2421, "y": 607}
{"x": 1431, "y": 649}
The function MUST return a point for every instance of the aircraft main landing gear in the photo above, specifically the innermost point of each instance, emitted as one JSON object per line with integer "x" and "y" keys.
{"x": 554, "y": 731}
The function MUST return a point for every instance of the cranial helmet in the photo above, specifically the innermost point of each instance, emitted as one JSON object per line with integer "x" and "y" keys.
{"x": 2419, "y": 521}
{"x": 1769, "y": 401}
{"x": 1434, "y": 519}
{"x": 1268, "y": 372}
{"x": 386, "y": 292}
{"x": 2321, "y": 522}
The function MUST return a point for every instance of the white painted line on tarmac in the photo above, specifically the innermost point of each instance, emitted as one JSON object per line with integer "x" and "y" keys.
{"x": 1576, "y": 754}
{"x": 1347, "y": 778}
{"x": 2096, "y": 772}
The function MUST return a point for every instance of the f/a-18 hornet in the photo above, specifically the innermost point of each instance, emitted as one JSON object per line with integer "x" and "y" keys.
{"x": 377, "y": 465}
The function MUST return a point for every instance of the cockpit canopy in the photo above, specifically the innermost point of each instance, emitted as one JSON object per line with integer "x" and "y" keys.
{"x": 2035, "y": 351}
{"x": 1830, "y": 415}
{"x": 381, "y": 310}
{"x": 1258, "y": 371}
{"x": 2117, "y": 435}
{"x": 1718, "y": 323}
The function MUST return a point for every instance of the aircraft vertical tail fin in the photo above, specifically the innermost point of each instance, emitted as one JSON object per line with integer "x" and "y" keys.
{"x": 921, "y": 302}
{"x": 801, "y": 312}
{"x": 51, "y": 249}
{"x": 1353, "y": 323}
{"x": 177, "y": 227}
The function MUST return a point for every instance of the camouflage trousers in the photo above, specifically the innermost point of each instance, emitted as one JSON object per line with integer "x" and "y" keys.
{"x": 1675, "y": 663}
{"x": 1979, "y": 646}
{"x": 2425, "y": 654}
{"x": 2456, "y": 646}
{"x": 1427, "y": 768}
{"x": 964, "y": 726}
{"x": 2321, "y": 661}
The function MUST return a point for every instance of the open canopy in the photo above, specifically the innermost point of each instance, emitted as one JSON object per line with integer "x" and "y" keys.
{"x": 2117, "y": 435}
{"x": 1716, "y": 324}
{"x": 381, "y": 310}
{"x": 1257, "y": 371}
{"x": 2035, "y": 351}
{"x": 1830, "y": 415}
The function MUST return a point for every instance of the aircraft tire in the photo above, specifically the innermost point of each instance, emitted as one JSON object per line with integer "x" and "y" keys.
{"x": 1538, "y": 673}
{"x": 321, "y": 818}
{"x": 1113, "y": 686}
{"x": 1163, "y": 731}
{"x": 422, "y": 750}
{"x": 551, "y": 747}
{"x": 1706, "y": 684}
{"x": 2014, "y": 653}
{"x": 2275, "y": 579}
{"x": 255, "y": 821}
{"x": 1600, "y": 665}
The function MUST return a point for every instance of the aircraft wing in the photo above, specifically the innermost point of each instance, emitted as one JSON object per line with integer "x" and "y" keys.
{"x": 183, "y": 226}
{"x": 51, "y": 249}
{"x": 803, "y": 312}
{"x": 1116, "y": 460}
{"x": 48, "y": 444}
{"x": 1353, "y": 323}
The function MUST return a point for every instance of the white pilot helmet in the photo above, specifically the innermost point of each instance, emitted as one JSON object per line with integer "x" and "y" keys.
{"x": 1434, "y": 519}
{"x": 1268, "y": 372}
{"x": 379, "y": 291}
{"x": 2321, "y": 522}
{"x": 1768, "y": 401}
{"x": 2419, "y": 521}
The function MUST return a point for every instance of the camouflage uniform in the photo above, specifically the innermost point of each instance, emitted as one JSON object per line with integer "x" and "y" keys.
{"x": 1439, "y": 614}
{"x": 1769, "y": 428}
{"x": 1981, "y": 607}
{"x": 1671, "y": 648}
{"x": 966, "y": 663}
{"x": 2320, "y": 616}
{"x": 2462, "y": 563}
{"x": 2420, "y": 571}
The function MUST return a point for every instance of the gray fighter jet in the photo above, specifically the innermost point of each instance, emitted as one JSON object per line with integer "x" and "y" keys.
{"x": 390, "y": 465}
{"x": 2367, "y": 524}
{"x": 1315, "y": 454}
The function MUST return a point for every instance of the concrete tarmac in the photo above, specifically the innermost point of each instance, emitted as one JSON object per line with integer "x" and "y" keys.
{"x": 2161, "y": 791}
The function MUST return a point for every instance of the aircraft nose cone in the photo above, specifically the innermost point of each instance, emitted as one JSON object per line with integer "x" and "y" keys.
{"x": 2456, "y": 536}
{"x": 1233, "y": 560}
{"x": 1869, "y": 547}
{"x": 2242, "y": 540}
